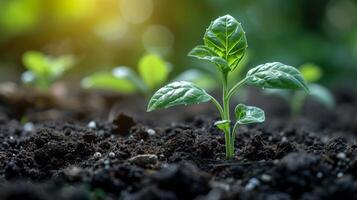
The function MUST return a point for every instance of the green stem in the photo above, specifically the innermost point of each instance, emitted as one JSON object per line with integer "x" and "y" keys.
{"x": 218, "y": 106}
{"x": 226, "y": 116}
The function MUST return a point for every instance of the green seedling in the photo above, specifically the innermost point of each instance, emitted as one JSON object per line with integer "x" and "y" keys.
{"x": 153, "y": 72}
{"x": 224, "y": 45}
{"x": 311, "y": 73}
{"x": 43, "y": 71}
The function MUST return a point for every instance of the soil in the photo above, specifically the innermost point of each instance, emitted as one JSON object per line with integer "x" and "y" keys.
{"x": 177, "y": 153}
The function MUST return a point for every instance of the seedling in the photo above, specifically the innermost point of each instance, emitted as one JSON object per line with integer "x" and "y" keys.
{"x": 224, "y": 45}
{"x": 153, "y": 71}
{"x": 311, "y": 73}
{"x": 43, "y": 71}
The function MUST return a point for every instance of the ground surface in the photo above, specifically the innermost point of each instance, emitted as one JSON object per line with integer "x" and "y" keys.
{"x": 178, "y": 154}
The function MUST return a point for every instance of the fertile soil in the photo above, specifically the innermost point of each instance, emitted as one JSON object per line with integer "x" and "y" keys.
{"x": 178, "y": 153}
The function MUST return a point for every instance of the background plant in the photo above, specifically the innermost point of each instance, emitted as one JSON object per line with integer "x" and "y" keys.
{"x": 296, "y": 99}
{"x": 43, "y": 71}
{"x": 224, "y": 45}
{"x": 153, "y": 71}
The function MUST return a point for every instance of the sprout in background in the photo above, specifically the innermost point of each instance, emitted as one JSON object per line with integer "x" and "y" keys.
{"x": 311, "y": 73}
{"x": 153, "y": 72}
{"x": 43, "y": 71}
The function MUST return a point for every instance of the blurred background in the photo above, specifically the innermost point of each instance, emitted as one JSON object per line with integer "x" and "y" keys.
{"x": 103, "y": 34}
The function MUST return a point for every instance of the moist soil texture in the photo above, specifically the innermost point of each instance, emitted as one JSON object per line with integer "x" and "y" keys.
{"x": 125, "y": 153}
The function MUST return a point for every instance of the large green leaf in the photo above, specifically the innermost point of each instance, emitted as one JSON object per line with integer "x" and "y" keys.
{"x": 177, "y": 93}
{"x": 276, "y": 75}
{"x": 227, "y": 38}
{"x": 205, "y": 53}
{"x": 153, "y": 70}
{"x": 249, "y": 114}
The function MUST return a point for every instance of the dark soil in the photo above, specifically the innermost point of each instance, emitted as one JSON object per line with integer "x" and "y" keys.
{"x": 178, "y": 153}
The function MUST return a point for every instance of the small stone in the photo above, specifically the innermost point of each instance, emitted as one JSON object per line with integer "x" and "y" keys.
{"x": 340, "y": 174}
{"x": 284, "y": 139}
{"x": 151, "y": 132}
{"x": 73, "y": 173}
{"x": 220, "y": 185}
{"x": 252, "y": 183}
{"x": 266, "y": 177}
{"x": 111, "y": 155}
{"x": 92, "y": 125}
{"x": 144, "y": 159}
{"x": 270, "y": 138}
{"x": 11, "y": 138}
{"x": 97, "y": 155}
{"x": 29, "y": 127}
{"x": 341, "y": 156}
{"x": 319, "y": 175}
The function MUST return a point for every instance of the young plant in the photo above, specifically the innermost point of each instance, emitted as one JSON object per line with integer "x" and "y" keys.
{"x": 153, "y": 71}
{"x": 43, "y": 71}
{"x": 311, "y": 73}
{"x": 224, "y": 45}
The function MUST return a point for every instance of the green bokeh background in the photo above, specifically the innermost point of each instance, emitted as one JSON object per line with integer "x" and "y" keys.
{"x": 103, "y": 34}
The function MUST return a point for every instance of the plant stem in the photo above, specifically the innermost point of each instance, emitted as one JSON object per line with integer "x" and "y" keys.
{"x": 226, "y": 116}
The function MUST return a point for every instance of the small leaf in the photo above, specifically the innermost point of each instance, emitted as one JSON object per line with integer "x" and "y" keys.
{"x": 125, "y": 73}
{"x": 322, "y": 94}
{"x": 226, "y": 37}
{"x": 205, "y": 53}
{"x": 153, "y": 70}
{"x": 223, "y": 125}
{"x": 311, "y": 72}
{"x": 37, "y": 63}
{"x": 249, "y": 114}
{"x": 276, "y": 75}
{"x": 177, "y": 93}
{"x": 61, "y": 64}
{"x": 107, "y": 81}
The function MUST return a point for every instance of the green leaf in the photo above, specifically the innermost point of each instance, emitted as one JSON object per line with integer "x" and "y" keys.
{"x": 37, "y": 63}
{"x": 226, "y": 37}
{"x": 311, "y": 72}
{"x": 61, "y": 64}
{"x": 178, "y": 93}
{"x": 125, "y": 73}
{"x": 205, "y": 53}
{"x": 322, "y": 94}
{"x": 249, "y": 114}
{"x": 276, "y": 75}
{"x": 223, "y": 125}
{"x": 153, "y": 70}
{"x": 107, "y": 81}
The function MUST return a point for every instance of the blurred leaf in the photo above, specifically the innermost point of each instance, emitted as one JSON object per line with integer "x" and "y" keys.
{"x": 322, "y": 94}
{"x": 37, "y": 63}
{"x": 126, "y": 73}
{"x": 310, "y": 72}
{"x": 107, "y": 81}
{"x": 199, "y": 78}
{"x": 153, "y": 70}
